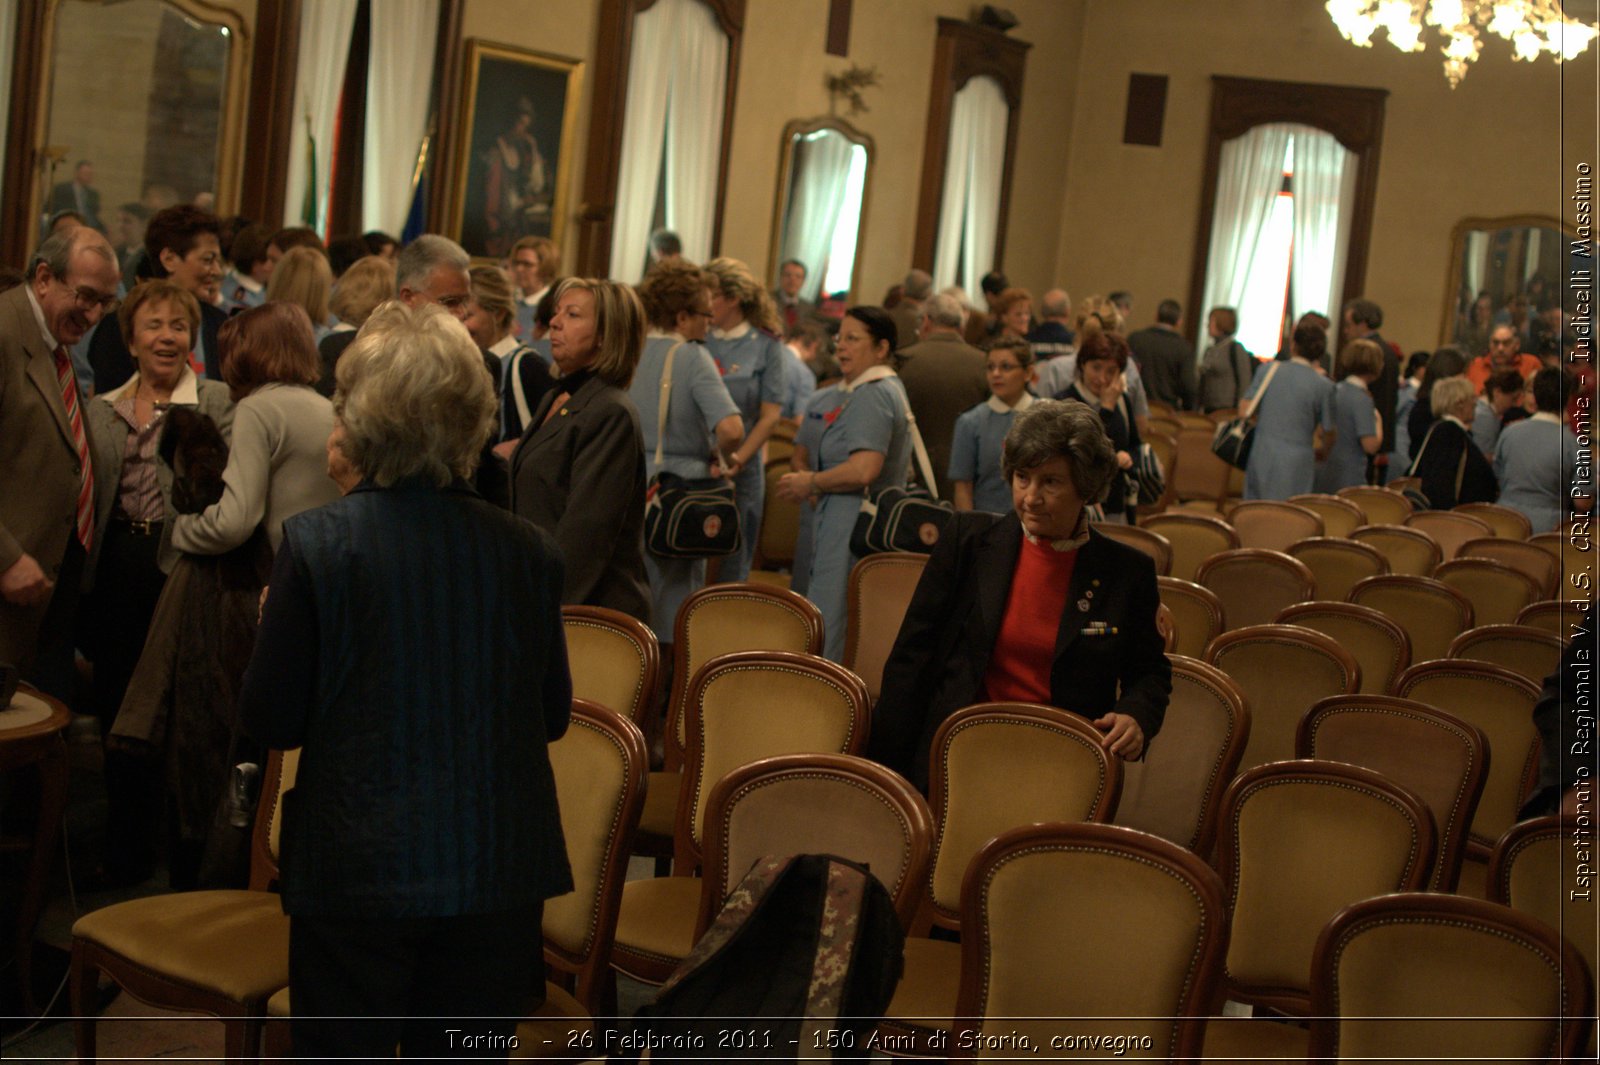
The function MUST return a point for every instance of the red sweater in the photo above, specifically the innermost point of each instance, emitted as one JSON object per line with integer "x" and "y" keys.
{"x": 1019, "y": 666}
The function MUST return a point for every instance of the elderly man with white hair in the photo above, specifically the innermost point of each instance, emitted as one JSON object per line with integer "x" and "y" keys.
{"x": 943, "y": 376}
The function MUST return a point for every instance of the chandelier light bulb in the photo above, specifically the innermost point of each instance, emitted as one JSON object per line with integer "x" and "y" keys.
{"x": 1531, "y": 26}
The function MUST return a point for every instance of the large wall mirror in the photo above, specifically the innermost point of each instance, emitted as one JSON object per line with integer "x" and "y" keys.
{"x": 150, "y": 94}
{"x": 1502, "y": 269}
{"x": 823, "y": 169}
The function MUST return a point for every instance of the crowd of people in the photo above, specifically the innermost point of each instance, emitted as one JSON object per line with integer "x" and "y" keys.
{"x": 347, "y": 487}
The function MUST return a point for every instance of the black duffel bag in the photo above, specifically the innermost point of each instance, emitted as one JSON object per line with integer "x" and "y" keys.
{"x": 686, "y": 518}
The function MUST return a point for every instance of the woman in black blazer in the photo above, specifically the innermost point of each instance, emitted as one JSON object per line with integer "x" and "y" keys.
{"x": 1031, "y": 606}
{"x": 578, "y": 472}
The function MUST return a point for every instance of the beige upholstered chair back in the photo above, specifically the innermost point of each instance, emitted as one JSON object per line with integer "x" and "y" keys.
{"x": 1535, "y": 561}
{"x": 1338, "y": 564}
{"x": 1500, "y": 704}
{"x": 1531, "y": 871}
{"x": 1282, "y": 670}
{"x": 614, "y": 658}
{"x": 1449, "y": 529}
{"x": 757, "y": 704}
{"x": 1158, "y": 547}
{"x": 1432, "y": 613}
{"x": 1198, "y": 474}
{"x": 1340, "y": 517}
{"x": 1496, "y": 591}
{"x": 1408, "y": 551}
{"x": 1547, "y": 616}
{"x": 818, "y": 804}
{"x": 1174, "y": 791}
{"x": 1272, "y": 524}
{"x": 1379, "y": 646}
{"x": 1382, "y": 506}
{"x": 880, "y": 590}
{"x": 282, "y": 767}
{"x": 1254, "y": 584}
{"x": 1164, "y": 443}
{"x": 996, "y": 766}
{"x": 1441, "y": 758}
{"x": 1512, "y": 524}
{"x": 599, "y": 767}
{"x": 1298, "y": 842}
{"x": 1194, "y": 538}
{"x": 1526, "y": 651}
{"x": 780, "y": 517}
{"x": 723, "y": 618}
{"x": 1428, "y": 977}
{"x": 1196, "y": 611}
{"x": 1576, "y": 558}
{"x": 1029, "y": 953}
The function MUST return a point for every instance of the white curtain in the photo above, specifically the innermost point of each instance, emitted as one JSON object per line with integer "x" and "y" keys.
{"x": 1530, "y": 257}
{"x": 1477, "y": 255}
{"x": 1320, "y": 226}
{"x": 324, "y": 48}
{"x": 404, "y": 38}
{"x": 677, "y": 70}
{"x": 1249, "y": 178}
{"x": 969, "y": 210}
{"x": 822, "y": 177}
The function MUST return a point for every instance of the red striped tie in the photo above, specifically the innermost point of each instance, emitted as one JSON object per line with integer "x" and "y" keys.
{"x": 69, "y": 399}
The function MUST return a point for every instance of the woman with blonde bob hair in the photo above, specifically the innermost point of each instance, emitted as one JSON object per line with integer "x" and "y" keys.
{"x": 409, "y": 610}
{"x": 357, "y": 293}
{"x": 578, "y": 471}
{"x": 304, "y": 278}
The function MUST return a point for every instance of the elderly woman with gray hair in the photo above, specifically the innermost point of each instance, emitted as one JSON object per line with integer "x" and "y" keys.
{"x": 411, "y": 645}
{"x": 1448, "y": 462}
{"x": 1031, "y": 606}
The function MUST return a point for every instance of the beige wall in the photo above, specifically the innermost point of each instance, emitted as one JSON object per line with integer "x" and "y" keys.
{"x": 1493, "y": 146}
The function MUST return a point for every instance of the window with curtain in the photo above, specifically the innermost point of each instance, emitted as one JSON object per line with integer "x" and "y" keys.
{"x": 1280, "y": 229}
{"x": 969, "y": 208}
{"x": 822, "y": 222}
{"x": 672, "y": 133}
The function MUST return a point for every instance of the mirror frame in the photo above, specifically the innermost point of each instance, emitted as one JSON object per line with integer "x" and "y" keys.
{"x": 235, "y": 91}
{"x": 1458, "y": 238}
{"x": 791, "y": 132}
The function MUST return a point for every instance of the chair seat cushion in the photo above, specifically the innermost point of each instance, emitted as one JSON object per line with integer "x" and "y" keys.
{"x": 232, "y": 943}
{"x": 558, "y": 1029}
{"x": 928, "y": 988}
{"x": 1244, "y": 1038}
{"x": 657, "y": 919}
{"x": 661, "y": 803}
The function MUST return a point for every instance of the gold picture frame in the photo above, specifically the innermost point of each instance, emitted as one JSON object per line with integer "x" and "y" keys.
{"x": 513, "y": 167}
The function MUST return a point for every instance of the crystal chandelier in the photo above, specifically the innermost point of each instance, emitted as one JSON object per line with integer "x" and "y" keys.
{"x": 1532, "y": 26}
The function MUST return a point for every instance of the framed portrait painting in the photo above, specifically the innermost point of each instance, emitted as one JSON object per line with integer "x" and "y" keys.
{"x": 518, "y": 115}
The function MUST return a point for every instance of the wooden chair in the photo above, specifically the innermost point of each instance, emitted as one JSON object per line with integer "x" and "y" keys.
{"x": 33, "y": 761}
{"x": 1164, "y": 443}
{"x": 219, "y": 952}
{"x": 741, "y": 707}
{"x": 1428, "y": 977}
{"x": 1546, "y": 615}
{"x": 1449, "y": 529}
{"x": 1273, "y": 525}
{"x": 1193, "y": 538}
{"x": 1174, "y": 791}
{"x": 615, "y": 660}
{"x": 1404, "y": 484}
{"x": 1158, "y": 547}
{"x": 1552, "y": 542}
{"x": 1382, "y": 506}
{"x": 1167, "y": 626}
{"x": 1410, "y": 553}
{"x": 1197, "y": 611}
{"x": 716, "y": 620}
{"x": 1508, "y": 523}
{"x": 1531, "y": 559}
{"x": 1254, "y": 584}
{"x": 1439, "y": 757}
{"x": 1500, "y": 704}
{"x": 993, "y": 767}
{"x": 880, "y": 590}
{"x": 780, "y": 520}
{"x": 1531, "y": 871}
{"x": 1527, "y": 652}
{"x": 817, "y": 804}
{"x": 1028, "y": 952}
{"x": 1281, "y": 670}
{"x": 1379, "y": 646}
{"x": 1198, "y": 474}
{"x": 1430, "y": 612}
{"x": 1340, "y": 517}
{"x": 1496, "y": 591}
{"x": 1576, "y": 560}
{"x": 1300, "y": 841}
{"x": 1337, "y": 564}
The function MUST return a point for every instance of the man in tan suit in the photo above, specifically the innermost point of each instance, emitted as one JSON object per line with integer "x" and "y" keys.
{"x": 47, "y": 498}
{"x": 944, "y": 376}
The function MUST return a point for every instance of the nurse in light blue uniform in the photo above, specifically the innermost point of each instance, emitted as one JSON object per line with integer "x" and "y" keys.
{"x": 808, "y": 441}
{"x": 976, "y": 479}
{"x": 1536, "y": 459}
{"x": 750, "y": 357}
{"x": 1282, "y": 461}
{"x": 1355, "y": 418}
{"x": 865, "y": 443}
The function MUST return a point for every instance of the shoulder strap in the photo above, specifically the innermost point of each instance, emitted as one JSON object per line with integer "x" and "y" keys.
{"x": 924, "y": 464}
{"x": 661, "y": 407}
{"x": 1412, "y": 472}
{"x": 1266, "y": 382}
{"x": 518, "y": 393}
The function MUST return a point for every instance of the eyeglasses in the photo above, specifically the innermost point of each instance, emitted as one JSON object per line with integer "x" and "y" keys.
{"x": 454, "y": 303}
{"x": 88, "y": 299}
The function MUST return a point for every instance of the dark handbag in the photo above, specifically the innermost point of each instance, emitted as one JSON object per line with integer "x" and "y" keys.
{"x": 903, "y": 519}
{"x": 1416, "y": 496}
{"x": 1151, "y": 478}
{"x": 1231, "y": 442}
{"x": 686, "y": 518}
